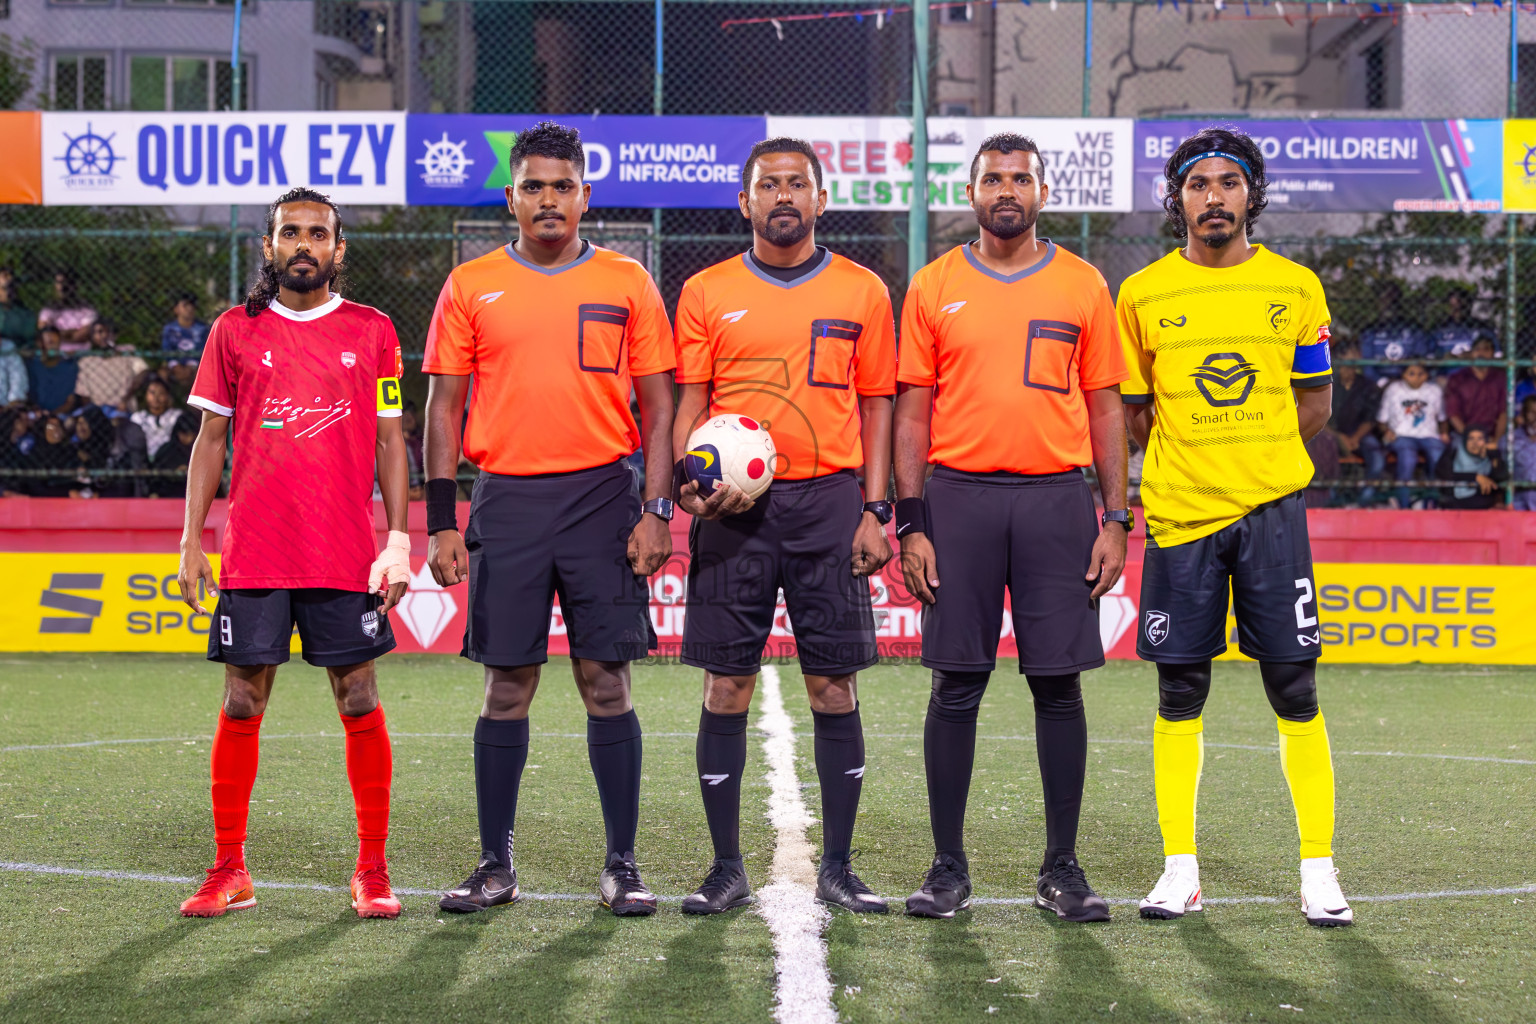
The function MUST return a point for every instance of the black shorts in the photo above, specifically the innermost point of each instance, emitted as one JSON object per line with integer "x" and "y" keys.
{"x": 532, "y": 537}
{"x": 336, "y": 627}
{"x": 1264, "y": 560}
{"x": 1030, "y": 534}
{"x": 798, "y": 537}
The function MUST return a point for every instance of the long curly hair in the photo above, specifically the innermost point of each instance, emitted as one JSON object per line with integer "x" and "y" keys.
{"x": 1215, "y": 140}
{"x": 268, "y": 280}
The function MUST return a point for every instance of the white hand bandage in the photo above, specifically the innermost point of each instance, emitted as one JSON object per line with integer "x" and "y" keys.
{"x": 393, "y": 564}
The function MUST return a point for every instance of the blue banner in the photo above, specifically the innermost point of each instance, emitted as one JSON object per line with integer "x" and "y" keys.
{"x": 686, "y": 162}
{"x": 1323, "y": 166}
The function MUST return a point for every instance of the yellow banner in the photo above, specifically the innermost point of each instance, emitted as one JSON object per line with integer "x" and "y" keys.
{"x": 1385, "y": 614}
{"x": 1520, "y": 165}
{"x": 1394, "y": 614}
{"x": 57, "y": 602}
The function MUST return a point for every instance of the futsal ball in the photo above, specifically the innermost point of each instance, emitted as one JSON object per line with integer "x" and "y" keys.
{"x": 730, "y": 449}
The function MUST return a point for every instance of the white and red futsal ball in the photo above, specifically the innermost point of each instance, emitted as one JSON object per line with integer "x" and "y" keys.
{"x": 730, "y": 449}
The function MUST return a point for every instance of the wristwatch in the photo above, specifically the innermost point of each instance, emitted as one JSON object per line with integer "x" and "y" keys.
{"x": 882, "y": 510}
{"x": 1124, "y": 516}
{"x": 660, "y": 507}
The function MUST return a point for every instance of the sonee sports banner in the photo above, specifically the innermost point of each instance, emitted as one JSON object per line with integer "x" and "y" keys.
{"x": 1387, "y": 614}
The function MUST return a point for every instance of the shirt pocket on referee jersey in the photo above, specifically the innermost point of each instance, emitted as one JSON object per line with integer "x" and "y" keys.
{"x": 833, "y": 344}
{"x": 600, "y": 336}
{"x": 1048, "y": 355}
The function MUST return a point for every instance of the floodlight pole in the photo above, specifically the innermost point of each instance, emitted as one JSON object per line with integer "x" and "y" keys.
{"x": 1087, "y": 99}
{"x": 917, "y": 218}
{"x": 1511, "y": 234}
{"x": 235, "y": 82}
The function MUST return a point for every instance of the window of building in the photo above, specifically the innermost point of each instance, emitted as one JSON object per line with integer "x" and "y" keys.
{"x": 80, "y": 81}
{"x": 958, "y": 14}
{"x": 158, "y": 82}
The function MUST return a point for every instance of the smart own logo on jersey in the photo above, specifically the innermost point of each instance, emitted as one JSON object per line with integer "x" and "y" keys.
{"x": 1225, "y": 379}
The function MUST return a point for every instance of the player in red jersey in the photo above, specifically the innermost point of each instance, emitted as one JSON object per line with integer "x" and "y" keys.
{"x": 311, "y": 383}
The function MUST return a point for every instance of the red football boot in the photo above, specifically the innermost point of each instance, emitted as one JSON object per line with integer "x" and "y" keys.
{"x": 227, "y": 888}
{"x": 371, "y": 893}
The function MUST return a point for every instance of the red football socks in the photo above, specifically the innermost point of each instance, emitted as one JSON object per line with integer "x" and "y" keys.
{"x": 370, "y": 764}
{"x": 236, "y": 752}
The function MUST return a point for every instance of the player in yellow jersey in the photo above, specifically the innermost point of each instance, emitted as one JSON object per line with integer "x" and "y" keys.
{"x": 1227, "y": 348}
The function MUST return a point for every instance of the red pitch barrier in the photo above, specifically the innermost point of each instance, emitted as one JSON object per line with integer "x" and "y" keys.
{"x": 433, "y": 618}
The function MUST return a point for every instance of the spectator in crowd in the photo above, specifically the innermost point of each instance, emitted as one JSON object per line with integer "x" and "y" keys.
{"x": 1323, "y": 450}
{"x": 69, "y": 313}
{"x": 175, "y": 455}
{"x": 184, "y": 338}
{"x": 1356, "y": 400}
{"x": 410, "y": 425}
{"x": 1525, "y": 385}
{"x": 1456, "y": 333}
{"x": 13, "y": 375}
{"x": 15, "y": 433}
{"x": 52, "y": 376}
{"x": 1478, "y": 469}
{"x": 53, "y": 451}
{"x": 108, "y": 371}
{"x": 1413, "y": 416}
{"x": 129, "y": 451}
{"x": 157, "y": 416}
{"x": 1478, "y": 394}
{"x": 18, "y": 327}
{"x": 1525, "y": 453}
{"x": 94, "y": 440}
{"x": 1392, "y": 338}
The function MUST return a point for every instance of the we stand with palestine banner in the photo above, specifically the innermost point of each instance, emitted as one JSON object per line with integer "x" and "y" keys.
{"x": 391, "y": 159}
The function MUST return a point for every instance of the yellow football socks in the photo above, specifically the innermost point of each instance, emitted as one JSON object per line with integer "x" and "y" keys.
{"x": 1308, "y": 766}
{"x": 1178, "y": 752}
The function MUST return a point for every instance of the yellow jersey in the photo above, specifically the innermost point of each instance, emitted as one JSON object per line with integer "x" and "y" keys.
{"x": 1216, "y": 352}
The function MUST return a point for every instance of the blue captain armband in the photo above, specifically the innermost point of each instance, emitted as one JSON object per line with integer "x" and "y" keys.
{"x": 1311, "y": 360}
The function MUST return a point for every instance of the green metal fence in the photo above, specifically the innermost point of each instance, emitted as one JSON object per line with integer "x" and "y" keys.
{"x": 1049, "y": 58}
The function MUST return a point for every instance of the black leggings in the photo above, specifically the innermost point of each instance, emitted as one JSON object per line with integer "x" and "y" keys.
{"x": 1291, "y": 687}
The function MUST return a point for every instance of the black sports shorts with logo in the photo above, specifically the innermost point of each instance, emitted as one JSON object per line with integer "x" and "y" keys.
{"x": 1264, "y": 560}
{"x": 533, "y": 537}
{"x": 798, "y": 536}
{"x": 1030, "y": 534}
{"x": 336, "y": 627}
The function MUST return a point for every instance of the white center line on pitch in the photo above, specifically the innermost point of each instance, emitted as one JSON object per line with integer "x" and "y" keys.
{"x": 802, "y": 987}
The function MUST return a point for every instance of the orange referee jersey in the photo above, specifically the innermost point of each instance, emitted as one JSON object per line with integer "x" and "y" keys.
{"x": 795, "y": 356}
{"x": 1009, "y": 358}
{"x": 552, "y": 353}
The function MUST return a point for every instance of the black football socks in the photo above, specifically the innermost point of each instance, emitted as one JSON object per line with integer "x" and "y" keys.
{"x": 1061, "y": 741}
{"x": 840, "y": 768}
{"x": 721, "y": 753}
{"x": 949, "y": 754}
{"x": 613, "y": 746}
{"x": 501, "y": 750}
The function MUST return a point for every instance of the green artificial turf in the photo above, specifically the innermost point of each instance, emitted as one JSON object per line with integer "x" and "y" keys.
{"x": 116, "y": 949}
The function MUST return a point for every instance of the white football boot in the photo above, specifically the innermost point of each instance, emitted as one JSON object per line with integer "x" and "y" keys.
{"x": 1178, "y": 892}
{"x": 1321, "y": 898}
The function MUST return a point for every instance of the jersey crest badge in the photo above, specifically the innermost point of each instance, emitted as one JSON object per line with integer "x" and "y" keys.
{"x": 1279, "y": 316}
{"x": 1156, "y": 627}
{"x": 370, "y": 624}
{"x": 349, "y": 359}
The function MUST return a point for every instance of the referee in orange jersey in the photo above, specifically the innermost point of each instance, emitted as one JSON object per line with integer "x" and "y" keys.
{"x": 800, "y": 340}
{"x": 1009, "y": 374}
{"x": 553, "y": 331}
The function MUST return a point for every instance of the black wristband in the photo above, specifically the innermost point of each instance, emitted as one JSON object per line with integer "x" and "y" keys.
{"x": 442, "y": 505}
{"x": 679, "y": 478}
{"x": 911, "y": 517}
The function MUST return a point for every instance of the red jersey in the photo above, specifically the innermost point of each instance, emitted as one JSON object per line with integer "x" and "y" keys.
{"x": 305, "y": 391}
